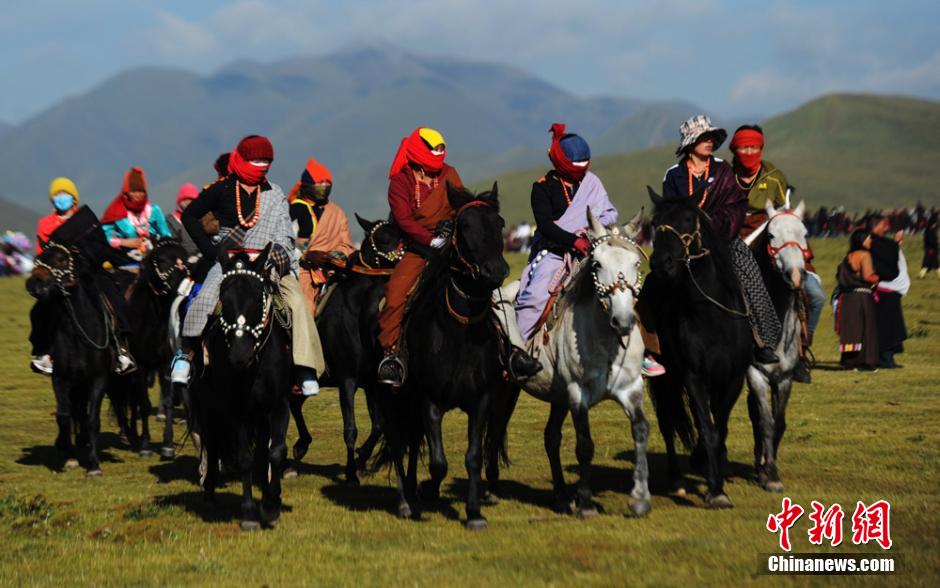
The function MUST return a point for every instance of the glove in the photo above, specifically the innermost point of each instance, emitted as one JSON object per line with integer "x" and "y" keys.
{"x": 444, "y": 228}
{"x": 438, "y": 242}
{"x": 582, "y": 245}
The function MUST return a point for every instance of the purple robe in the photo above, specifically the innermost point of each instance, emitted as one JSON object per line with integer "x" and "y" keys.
{"x": 543, "y": 274}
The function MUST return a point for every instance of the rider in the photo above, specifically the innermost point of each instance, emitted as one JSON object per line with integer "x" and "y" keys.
{"x": 765, "y": 183}
{"x": 252, "y": 213}
{"x": 321, "y": 228}
{"x": 131, "y": 222}
{"x": 559, "y": 201}
{"x": 417, "y": 195}
{"x": 186, "y": 194}
{"x": 725, "y": 202}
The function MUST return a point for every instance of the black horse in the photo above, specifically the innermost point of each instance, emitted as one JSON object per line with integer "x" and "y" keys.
{"x": 81, "y": 348}
{"x": 240, "y": 395}
{"x": 150, "y": 304}
{"x": 348, "y": 322}
{"x": 453, "y": 355}
{"x": 699, "y": 313}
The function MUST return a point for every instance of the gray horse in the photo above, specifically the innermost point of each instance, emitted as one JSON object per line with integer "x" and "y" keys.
{"x": 782, "y": 257}
{"x": 592, "y": 352}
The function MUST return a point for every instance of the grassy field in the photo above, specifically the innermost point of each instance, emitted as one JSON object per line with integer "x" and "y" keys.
{"x": 851, "y": 437}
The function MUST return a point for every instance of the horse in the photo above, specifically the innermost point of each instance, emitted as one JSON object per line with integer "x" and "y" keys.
{"x": 347, "y": 322}
{"x": 592, "y": 352}
{"x": 151, "y": 303}
{"x": 697, "y": 305}
{"x": 81, "y": 349}
{"x": 781, "y": 255}
{"x": 452, "y": 354}
{"x": 240, "y": 394}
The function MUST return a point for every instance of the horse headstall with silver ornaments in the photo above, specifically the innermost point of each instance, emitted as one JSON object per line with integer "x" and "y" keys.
{"x": 240, "y": 327}
{"x": 63, "y": 277}
{"x": 620, "y": 284}
{"x": 391, "y": 256}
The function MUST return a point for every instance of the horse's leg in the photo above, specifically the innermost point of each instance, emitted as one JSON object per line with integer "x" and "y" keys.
{"x": 584, "y": 450}
{"x": 375, "y": 433}
{"x": 167, "y": 400}
{"x": 144, "y": 405}
{"x": 404, "y": 505}
{"x": 246, "y": 464}
{"x": 502, "y": 405}
{"x": 432, "y": 416}
{"x": 762, "y": 422}
{"x": 556, "y": 419}
{"x": 347, "y": 404}
{"x": 780, "y": 426}
{"x": 659, "y": 388}
{"x": 296, "y": 402}
{"x": 277, "y": 457}
{"x": 715, "y": 497}
{"x": 63, "y": 418}
{"x": 474, "y": 463}
{"x": 95, "y": 398}
{"x": 631, "y": 399}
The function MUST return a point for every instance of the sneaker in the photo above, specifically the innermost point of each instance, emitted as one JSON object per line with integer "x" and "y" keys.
{"x": 179, "y": 373}
{"x": 309, "y": 386}
{"x": 652, "y": 368}
{"x": 801, "y": 371}
{"x": 42, "y": 364}
{"x": 125, "y": 363}
{"x": 391, "y": 371}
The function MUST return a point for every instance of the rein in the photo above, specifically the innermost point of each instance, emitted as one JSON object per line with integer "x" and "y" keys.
{"x": 472, "y": 268}
{"x": 164, "y": 277}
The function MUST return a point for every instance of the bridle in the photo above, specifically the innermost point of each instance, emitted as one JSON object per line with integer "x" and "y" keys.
{"x": 64, "y": 278}
{"x": 240, "y": 327}
{"x": 392, "y": 257}
{"x": 164, "y": 276}
{"x": 605, "y": 291}
{"x": 472, "y": 268}
{"x": 775, "y": 251}
{"x": 687, "y": 239}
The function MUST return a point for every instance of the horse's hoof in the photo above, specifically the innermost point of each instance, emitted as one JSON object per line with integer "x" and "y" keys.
{"x": 94, "y": 473}
{"x": 476, "y": 524}
{"x": 718, "y": 501}
{"x": 300, "y": 450}
{"x": 587, "y": 513}
{"x": 679, "y": 490}
{"x": 640, "y": 508}
{"x": 71, "y": 463}
{"x": 290, "y": 474}
{"x": 404, "y": 511}
{"x": 489, "y": 499}
{"x": 146, "y": 453}
{"x": 773, "y": 486}
{"x": 270, "y": 517}
{"x": 167, "y": 452}
{"x": 250, "y": 525}
{"x": 563, "y": 505}
{"x": 124, "y": 440}
{"x": 160, "y": 418}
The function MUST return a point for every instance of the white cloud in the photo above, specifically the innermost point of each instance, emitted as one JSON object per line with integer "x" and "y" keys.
{"x": 177, "y": 38}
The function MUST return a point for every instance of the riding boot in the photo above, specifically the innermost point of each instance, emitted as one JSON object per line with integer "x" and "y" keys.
{"x": 801, "y": 372}
{"x": 521, "y": 365}
{"x": 391, "y": 369}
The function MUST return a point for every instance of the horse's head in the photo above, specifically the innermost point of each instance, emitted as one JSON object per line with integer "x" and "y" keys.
{"x": 165, "y": 267}
{"x": 786, "y": 242}
{"x": 679, "y": 227}
{"x": 477, "y": 241}
{"x": 384, "y": 245}
{"x": 55, "y": 270}
{"x": 615, "y": 268}
{"x": 245, "y": 297}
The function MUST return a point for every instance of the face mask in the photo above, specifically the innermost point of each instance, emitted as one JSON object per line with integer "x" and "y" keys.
{"x": 63, "y": 202}
{"x": 318, "y": 194}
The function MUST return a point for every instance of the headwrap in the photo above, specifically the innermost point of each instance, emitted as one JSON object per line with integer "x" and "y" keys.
{"x": 314, "y": 173}
{"x": 417, "y": 148}
{"x": 565, "y": 168}
{"x": 749, "y": 162}
{"x": 63, "y": 185}
{"x": 134, "y": 181}
{"x": 186, "y": 192}
{"x": 221, "y": 164}
{"x": 251, "y": 148}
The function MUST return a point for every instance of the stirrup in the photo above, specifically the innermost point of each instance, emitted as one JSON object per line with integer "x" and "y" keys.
{"x": 388, "y": 363}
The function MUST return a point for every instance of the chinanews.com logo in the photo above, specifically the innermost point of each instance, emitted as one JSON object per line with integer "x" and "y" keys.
{"x": 870, "y": 525}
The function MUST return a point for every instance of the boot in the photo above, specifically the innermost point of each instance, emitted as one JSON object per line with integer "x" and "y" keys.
{"x": 522, "y": 365}
{"x": 801, "y": 372}
{"x": 391, "y": 369}
{"x": 765, "y": 355}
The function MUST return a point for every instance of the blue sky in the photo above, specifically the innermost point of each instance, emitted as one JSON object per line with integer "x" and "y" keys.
{"x": 731, "y": 57}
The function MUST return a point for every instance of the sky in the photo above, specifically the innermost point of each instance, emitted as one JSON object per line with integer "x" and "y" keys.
{"x": 733, "y": 58}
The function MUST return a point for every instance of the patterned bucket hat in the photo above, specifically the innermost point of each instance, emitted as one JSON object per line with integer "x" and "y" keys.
{"x": 693, "y": 129}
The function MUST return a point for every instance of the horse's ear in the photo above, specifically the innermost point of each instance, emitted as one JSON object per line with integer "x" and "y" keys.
{"x": 594, "y": 226}
{"x": 262, "y": 258}
{"x": 457, "y": 196}
{"x": 366, "y": 225}
{"x": 769, "y": 207}
{"x": 633, "y": 227}
{"x": 654, "y": 197}
{"x": 800, "y": 209}
{"x": 494, "y": 193}
{"x": 225, "y": 260}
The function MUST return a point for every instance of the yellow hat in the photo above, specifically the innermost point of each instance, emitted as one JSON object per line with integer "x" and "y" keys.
{"x": 63, "y": 185}
{"x": 432, "y": 137}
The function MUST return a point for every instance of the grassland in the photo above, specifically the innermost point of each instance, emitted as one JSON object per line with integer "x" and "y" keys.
{"x": 851, "y": 437}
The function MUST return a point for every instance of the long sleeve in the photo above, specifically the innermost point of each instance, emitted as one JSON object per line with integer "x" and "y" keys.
{"x": 284, "y": 239}
{"x": 158, "y": 224}
{"x": 670, "y": 187}
{"x": 400, "y": 201}
{"x": 544, "y": 218}
{"x": 191, "y": 218}
{"x": 731, "y": 204}
{"x": 111, "y": 231}
{"x": 608, "y": 213}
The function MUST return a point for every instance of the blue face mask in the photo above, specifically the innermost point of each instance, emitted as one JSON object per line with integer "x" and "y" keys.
{"x": 63, "y": 202}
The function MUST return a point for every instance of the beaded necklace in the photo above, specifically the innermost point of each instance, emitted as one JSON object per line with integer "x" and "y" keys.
{"x": 688, "y": 165}
{"x": 564, "y": 187}
{"x": 238, "y": 208}
{"x": 418, "y": 183}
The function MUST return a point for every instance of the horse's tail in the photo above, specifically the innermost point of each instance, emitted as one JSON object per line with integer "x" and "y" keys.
{"x": 402, "y": 426}
{"x": 670, "y": 401}
{"x": 502, "y": 405}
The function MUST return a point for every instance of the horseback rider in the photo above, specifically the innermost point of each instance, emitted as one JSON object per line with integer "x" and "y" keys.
{"x": 186, "y": 194}
{"x": 64, "y": 196}
{"x": 560, "y": 231}
{"x": 725, "y": 202}
{"x": 131, "y": 222}
{"x": 321, "y": 229}
{"x": 417, "y": 196}
{"x": 765, "y": 183}
{"x": 251, "y": 212}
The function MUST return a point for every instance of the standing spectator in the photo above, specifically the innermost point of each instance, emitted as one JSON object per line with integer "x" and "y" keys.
{"x": 524, "y": 235}
{"x": 931, "y": 261}
{"x": 856, "y": 323}
{"x": 891, "y": 267}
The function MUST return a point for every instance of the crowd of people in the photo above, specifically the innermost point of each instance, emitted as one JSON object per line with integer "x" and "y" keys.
{"x": 15, "y": 254}
{"x": 837, "y": 222}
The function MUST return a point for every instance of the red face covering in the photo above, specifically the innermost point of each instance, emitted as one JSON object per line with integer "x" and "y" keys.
{"x": 563, "y": 165}
{"x": 415, "y": 150}
{"x": 749, "y": 163}
{"x": 247, "y": 172}
{"x": 134, "y": 181}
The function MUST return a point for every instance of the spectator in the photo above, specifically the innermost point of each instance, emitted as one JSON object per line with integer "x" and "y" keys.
{"x": 856, "y": 322}
{"x": 931, "y": 261}
{"x": 891, "y": 266}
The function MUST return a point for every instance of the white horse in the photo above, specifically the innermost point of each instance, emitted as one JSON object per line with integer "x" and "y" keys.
{"x": 783, "y": 264}
{"x": 593, "y": 352}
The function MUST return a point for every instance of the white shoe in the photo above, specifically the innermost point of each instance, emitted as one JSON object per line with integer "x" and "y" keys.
{"x": 179, "y": 374}
{"x": 185, "y": 287}
{"x": 309, "y": 388}
{"x": 42, "y": 364}
{"x": 125, "y": 363}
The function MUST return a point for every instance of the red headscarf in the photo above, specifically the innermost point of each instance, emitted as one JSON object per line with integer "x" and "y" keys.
{"x": 749, "y": 162}
{"x": 134, "y": 181}
{"x": 414, "y": 149}
{"x": 563, "y": 165}
{"x": 251, "y": 148}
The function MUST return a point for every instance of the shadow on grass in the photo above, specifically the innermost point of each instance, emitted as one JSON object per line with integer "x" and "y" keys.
{"x": 182, "y": 468}
{"x": 54, "y": 460}
{"x": 225, "y": 508}
{"x": 362, "y": 498}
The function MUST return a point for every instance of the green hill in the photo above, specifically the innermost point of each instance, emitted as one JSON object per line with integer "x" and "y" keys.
{"x": 859, "y": 151}
{"x": 17, "y": 218}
